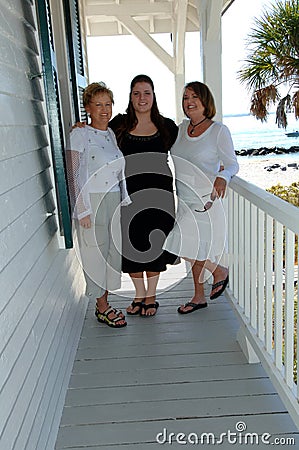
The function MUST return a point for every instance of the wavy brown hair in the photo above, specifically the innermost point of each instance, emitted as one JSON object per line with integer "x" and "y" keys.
{"x": 205, "y": 96}
{"x": 130, "y": 121}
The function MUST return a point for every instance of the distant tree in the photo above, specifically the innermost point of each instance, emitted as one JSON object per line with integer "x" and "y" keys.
{"x": 273, "y": 61}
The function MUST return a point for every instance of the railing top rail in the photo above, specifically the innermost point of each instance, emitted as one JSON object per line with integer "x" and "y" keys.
{"x": 282, "y": 211}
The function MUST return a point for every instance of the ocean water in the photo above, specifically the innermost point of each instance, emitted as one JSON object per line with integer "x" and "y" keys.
{"x": 248, "y": 132}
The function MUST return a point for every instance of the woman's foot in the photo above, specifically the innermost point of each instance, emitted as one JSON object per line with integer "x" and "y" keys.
{"x": 220, "y": 282}
{"x": 102, "y": 306}
{"x": 149, "y": 306}
{"x": 134, "y": 308}
{"x": 192, "y": 305}
{"x": 110, "y": 318}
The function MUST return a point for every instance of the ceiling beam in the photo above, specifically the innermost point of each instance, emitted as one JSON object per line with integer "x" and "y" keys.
{"x": 214, "y": 17}
{"x": 138, "y": 9}
{"x": 181, "y": 19}
{"x": 147, "y": 40}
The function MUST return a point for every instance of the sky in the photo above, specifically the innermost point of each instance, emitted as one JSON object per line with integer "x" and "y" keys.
{"x": 116, "y": 60}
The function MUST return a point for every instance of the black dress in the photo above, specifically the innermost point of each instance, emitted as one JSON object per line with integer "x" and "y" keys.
{"x": 150, "y": 217}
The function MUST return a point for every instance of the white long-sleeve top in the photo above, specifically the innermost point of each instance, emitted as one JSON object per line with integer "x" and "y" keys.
{"x": 95, "y": 164}
{"x": 197, "y": 160}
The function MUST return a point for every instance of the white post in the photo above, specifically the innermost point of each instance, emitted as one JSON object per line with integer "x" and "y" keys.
{"x": 179, "y": 33}
{"x": 210, "y": 32}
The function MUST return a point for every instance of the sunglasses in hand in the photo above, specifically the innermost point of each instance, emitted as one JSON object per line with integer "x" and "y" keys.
{"x": 207, "y": 205}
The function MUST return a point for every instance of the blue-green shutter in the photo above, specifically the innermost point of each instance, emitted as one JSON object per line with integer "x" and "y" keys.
{"x": 54, "y": 119}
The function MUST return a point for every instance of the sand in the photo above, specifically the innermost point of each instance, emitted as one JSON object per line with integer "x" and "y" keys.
{"x": 253, "y": 170}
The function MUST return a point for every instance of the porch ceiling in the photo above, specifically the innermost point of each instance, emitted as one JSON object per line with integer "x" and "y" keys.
{"x": 117, "y": 17}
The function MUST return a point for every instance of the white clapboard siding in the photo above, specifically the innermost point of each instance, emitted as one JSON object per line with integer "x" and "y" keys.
{"x": 14, "y": 144}
{"x": 46, "y": 331}
{"x": 42, "y": 305}
{"x": 22, "y": 167}
{"x": 11, "y": 240}
{"x": 15, "y": 202}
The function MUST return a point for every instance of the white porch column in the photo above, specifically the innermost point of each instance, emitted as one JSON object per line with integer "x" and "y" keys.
{"x": 179, "y": 80}
{"x": 210, "y": 31}
{"x": 179, "y": 34}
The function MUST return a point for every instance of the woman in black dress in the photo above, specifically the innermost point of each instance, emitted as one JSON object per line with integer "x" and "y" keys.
{"x": 145, "y": 137}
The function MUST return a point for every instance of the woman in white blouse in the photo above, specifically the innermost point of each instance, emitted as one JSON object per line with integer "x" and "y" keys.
{"x": 205, "y": 161}
{"x": 97, "y": 188}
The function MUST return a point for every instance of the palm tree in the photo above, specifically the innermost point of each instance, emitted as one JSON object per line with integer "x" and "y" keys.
{"x": 273, "y": 62}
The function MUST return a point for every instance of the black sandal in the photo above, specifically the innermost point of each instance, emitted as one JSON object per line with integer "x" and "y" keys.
{"x": 223, "y": 284}
{"x": 133, "y": 306}
{"x": 194, "y": 307}
{"x": 145, "y": 307}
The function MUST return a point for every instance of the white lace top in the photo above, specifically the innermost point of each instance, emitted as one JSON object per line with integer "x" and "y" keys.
{"x": 95, "y": 164}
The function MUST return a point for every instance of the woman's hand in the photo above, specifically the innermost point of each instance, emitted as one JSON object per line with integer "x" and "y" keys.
{"x": 219, "y": 188}
{"x": 79, "y": 125}
{"x": 85, "y": 222}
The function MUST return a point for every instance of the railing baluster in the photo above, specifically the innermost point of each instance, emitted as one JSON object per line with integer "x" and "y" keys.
{"x": 247, "y": 262}
{"x": 236, "y": 246}
{"x": 261, "y": 276}
{"x": 269, "y": 284}
{"x": 278, "y": 297}
{"x": 241, "y": 252}
{"x": 289, "y": 305}
{"x": 253, "y": 268}
{"x": 231, "y": 250}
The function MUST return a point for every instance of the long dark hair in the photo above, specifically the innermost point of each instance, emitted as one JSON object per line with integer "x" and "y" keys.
{"x": 130, "y": 120}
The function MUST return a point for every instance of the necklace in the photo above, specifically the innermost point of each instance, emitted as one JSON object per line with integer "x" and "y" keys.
{"x": 194, "y": 126}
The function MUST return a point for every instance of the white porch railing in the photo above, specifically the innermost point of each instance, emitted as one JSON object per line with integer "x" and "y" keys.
{"x": 263, "y": 230}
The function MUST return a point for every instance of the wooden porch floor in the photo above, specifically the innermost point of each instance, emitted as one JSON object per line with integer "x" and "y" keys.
{"x": 180, "y": 374}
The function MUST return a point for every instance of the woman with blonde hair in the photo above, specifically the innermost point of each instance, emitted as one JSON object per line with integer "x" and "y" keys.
{"x": 97, "y": 187}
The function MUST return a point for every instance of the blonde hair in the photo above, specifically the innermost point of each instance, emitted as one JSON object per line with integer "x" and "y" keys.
{"x": 96, "y": 88}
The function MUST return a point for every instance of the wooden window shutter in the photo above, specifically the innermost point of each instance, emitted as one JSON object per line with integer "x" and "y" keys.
{"x": 76, "y": 56}
{"x": 54, "y": 119}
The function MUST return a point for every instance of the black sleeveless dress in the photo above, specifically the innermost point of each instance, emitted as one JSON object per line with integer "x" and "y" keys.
{"x": 150, "y": 217}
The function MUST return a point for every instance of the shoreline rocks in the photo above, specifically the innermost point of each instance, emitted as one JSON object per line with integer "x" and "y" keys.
{"x": 283, "y": 167}
{"x": 262, "y": 151}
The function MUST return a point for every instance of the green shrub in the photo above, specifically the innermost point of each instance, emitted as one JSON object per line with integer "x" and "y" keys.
{"x": 288, "y": 193}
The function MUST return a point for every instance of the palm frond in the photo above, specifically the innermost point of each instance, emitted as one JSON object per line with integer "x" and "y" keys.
{"x": 295, "y": 103}
{"x": 273, "y": 59}
{"x": 261, "y": 100}
{"x": 281, "y": 117}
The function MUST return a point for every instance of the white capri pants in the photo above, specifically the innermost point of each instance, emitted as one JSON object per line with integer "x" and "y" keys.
{"x": 100, "y": 245}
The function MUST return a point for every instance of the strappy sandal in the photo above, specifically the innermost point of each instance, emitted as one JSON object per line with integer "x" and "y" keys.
{"x": 145, "y": 307}
{"x": 104, "y": 318}
{"x": 134, "y": 305}
{"x": 117, "y": 312}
